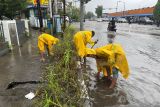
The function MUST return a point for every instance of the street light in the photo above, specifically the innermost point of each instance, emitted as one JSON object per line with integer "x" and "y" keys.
{"x": 123, "y": 5}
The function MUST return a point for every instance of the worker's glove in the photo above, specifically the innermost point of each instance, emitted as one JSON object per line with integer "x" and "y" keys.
{"x": 42, "y": 60}
{"x": 51, "y": 54}
{"x": 96, "y": 41}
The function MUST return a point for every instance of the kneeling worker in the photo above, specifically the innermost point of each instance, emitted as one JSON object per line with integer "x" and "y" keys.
{"x": 46, "y": 40}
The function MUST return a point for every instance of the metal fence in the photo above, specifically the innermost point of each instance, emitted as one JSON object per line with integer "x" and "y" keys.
{"x": 2, "y": 38}
{"x": 21, "y": 31}
{"x": 3, "y": 44}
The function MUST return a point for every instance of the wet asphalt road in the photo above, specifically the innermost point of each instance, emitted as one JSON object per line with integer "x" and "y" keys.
{"x": 142, "y": 46}
{"x": 20, "y": 65}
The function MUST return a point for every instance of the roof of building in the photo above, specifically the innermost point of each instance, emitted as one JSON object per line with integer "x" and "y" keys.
{"x": 135, "y": 12}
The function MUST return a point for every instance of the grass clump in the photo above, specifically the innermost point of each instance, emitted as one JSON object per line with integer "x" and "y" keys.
{"x": 62, "y": 88}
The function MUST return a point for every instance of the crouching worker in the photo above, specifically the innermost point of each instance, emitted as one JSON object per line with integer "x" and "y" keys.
{"x": 81, "y": 39}
{"x": 46, "y": 41}
{"x": 111, "y": 59}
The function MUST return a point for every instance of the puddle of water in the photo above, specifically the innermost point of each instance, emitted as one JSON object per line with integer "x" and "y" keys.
{"x": 22, "y": 64}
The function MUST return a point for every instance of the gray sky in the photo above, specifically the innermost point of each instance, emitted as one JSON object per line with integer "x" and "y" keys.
{"x": 130, "y": 4}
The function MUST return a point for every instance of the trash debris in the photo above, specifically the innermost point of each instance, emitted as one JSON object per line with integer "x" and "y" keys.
{"x": 30, "y": 96}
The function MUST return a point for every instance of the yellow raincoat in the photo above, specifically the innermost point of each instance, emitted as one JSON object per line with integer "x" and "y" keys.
{"x": 46, "y": 39}
{"x": 112, "y": 55}
{"x": 100, "y": 68}
{"x": 81, "y": 39}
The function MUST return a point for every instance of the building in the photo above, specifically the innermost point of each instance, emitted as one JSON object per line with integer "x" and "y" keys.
{"x": 31, "y": 13}
{"x": 143, "y": 12}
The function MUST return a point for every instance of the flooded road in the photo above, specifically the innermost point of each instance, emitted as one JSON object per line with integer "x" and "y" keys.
{"x": 142, "y": 46}
{"x": 18, "y": 66}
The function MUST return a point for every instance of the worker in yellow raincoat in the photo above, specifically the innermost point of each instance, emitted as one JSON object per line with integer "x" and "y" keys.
{"x": 81, "y": 39}
{"x": 46, "y": 41}
{"x": 111, "y": 59}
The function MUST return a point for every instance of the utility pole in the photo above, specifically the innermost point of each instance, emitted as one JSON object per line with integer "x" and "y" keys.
{"x": 50, "y": 8}
{"x": 124, "y": 8}
{"x": 39, "y": 14}
{"x": 64, "y": 13}
{"x": 55, "y": 5}
{"x": 51, "y": 15}
{"x": 81, "y": 15}
{"x": 82, "y": 2}
{"x": 117, "y": 6}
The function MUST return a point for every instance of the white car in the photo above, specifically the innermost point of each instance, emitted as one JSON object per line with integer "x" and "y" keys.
{"x": 105, "y": 19}
{"x": 99, "y": 20}
{"x": 122, "y": 20}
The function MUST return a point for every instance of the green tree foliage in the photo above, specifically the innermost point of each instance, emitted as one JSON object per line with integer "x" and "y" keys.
{"x": 74, "y": 13}
{"x": 89, "y": 15}
{"x": 99, "y": 10}
{"x": 157, "y": 11}
{"x": 10, "y": 8}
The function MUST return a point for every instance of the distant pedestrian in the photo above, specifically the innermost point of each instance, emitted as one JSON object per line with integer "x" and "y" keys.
{"x": 112, "y": 25}
{"x": 129, "y": 20}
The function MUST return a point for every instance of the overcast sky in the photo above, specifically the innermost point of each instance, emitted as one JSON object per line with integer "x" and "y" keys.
{"x": 130, "y": 4}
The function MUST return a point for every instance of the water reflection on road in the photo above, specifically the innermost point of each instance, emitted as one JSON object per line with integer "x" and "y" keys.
{"x": 22, "y": 64}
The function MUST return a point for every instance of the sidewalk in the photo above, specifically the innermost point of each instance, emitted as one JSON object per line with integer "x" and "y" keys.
{"x": 20, "y": 65}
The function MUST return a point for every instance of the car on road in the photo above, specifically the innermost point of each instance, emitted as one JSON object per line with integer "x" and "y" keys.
{"x": 121, "y": 20}
{"x": 134, "y": 20}
{"x": 99, "y": 19}
{"x": 145, "y": 20}
{"x": 105, "y": 19}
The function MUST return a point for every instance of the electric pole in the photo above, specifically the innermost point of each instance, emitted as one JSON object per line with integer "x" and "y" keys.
{"x": 51, "y": 16}
{"x": 82, "y": 2}
{"x": 56, "y": 8}
{"x": 81, "y": 15}
{"x": 39, "y": 14}
{"x": 64, "y": 13}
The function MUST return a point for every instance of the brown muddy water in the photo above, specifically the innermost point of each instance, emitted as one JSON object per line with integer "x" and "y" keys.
{"x": 142, "y": 88}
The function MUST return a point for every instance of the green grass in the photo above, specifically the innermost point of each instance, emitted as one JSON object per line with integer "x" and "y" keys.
{"x": 63, "y": 88}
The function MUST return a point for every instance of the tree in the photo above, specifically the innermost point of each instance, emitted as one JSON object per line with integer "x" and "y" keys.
{"x": 89, "y": 15}
{"x": 73, "y": 12}
{"x": 156, "y": 13}
{"x": 98, "y": 11}
{"x": 10, "y": 8}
